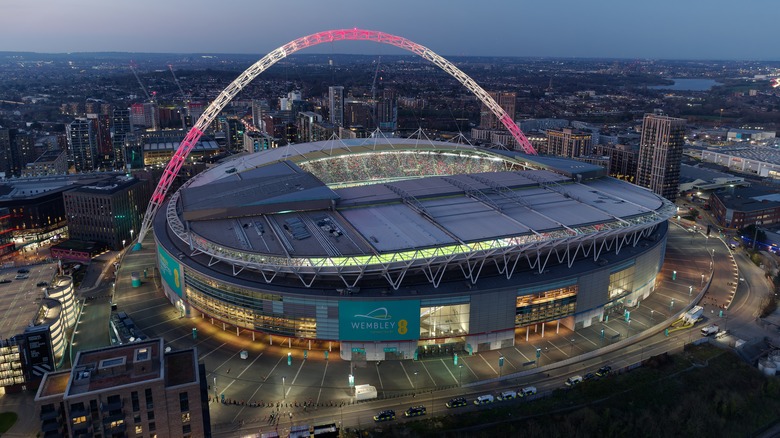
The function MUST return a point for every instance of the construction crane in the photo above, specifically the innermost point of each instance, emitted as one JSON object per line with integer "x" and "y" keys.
{"x": 135, "y": 73}
{"x": 176, "y": 80}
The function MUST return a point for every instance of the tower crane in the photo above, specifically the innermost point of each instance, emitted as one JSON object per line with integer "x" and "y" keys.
{"x": 135, "y": 73}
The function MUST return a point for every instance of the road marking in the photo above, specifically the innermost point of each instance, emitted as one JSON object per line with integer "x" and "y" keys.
{"x": 407, "y": 375}
{"x": 322, "y": 382}
{"x": 381, "y": 385}
{"x": 449, "y": 371}
{"x": 521, "y": 354}
{"x": 488, "y": 363}
{"x": 428, "y": 372}
{"x": 213, "y": 350}
{"x": 586, "y": 338}
{"x": 253, "y": 394}
{"x": 300, "y": 367}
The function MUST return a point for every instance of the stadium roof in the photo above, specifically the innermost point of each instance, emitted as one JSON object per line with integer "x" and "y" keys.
{"x": 394, "y": 195}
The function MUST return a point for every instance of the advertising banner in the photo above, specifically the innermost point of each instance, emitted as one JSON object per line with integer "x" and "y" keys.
{"x": 170, "y": 270}
{"x": 379, "y": 320}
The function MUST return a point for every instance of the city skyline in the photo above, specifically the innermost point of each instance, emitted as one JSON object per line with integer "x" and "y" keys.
{"x": 662, "y": 30}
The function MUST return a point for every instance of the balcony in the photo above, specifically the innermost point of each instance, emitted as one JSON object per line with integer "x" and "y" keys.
{"x": 49, "y": 414}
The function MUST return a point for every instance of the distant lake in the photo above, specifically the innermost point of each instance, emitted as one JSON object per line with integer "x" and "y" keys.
{"x": 688, "y": 85}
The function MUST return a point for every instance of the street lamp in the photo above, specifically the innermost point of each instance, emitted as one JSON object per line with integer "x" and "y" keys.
{"x": 284, "y": 392}
{"x": 651, "y": 315}
{"x": 131, "y": 235}
{"x": 690, "y": 290}
{"x": 571, "y": 347}
{"x": 123, "y": 242}
{"x": 414, "y": 389}
{"x": 702, "y": 279}
{"x": 671, "y": 304}
{"x": 460, "y": 371}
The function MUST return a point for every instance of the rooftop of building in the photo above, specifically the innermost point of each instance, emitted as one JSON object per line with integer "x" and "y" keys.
{"x": 756, "y": 153}
{"x": 54, "y": 384}
{"x": 690, "y": 173}
{"x": 180, "y": 368}
{"x": 300, "y": 190}
{"x": 49, "y": 156}
{"x": 748, "y": 199}
{"x": 108, "y": 186}
{"x": 40, "y": 186}
{"x": 20, "y": 302}
{"x": 113, "y": 366}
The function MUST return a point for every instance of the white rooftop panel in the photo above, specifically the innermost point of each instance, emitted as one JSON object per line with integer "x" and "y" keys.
{"x": 468, "y": 219}
{"x": 395, "y": 227}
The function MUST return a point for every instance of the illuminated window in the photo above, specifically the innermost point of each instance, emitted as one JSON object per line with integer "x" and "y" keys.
{"x": 185, "y": 417}
{"x": 546, "y": 305}
{"x": 444, "y": 321}
{"x": 139, "y": 429}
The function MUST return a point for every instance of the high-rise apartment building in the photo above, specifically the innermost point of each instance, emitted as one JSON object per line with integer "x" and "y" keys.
{"x": 336, "y": 105}
{"x": 82, "y": 144}
{"x": 507, "y": 101}
{"x": 260, "y": 108}
{"x": 660, "y": 154}
{"x": 568, "y": 142}
{"x": 136, "y": 389}
{"x": 387, "y": 111}
{"x": 121, "y": 127}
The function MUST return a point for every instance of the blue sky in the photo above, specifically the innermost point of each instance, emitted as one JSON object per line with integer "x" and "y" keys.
{"x": 668, "y": 29}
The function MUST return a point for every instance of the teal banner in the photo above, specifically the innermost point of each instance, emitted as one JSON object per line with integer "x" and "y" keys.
{"x": 170, "y": 270}
{"x": 379, "y": 320}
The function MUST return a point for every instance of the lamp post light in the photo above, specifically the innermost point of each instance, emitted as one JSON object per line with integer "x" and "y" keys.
{"x": 460, "y": 371}
{"x": 702, "y": 278}
{"x": 284, "y": 392}
{"x": 414, "y": 388}
{"x": 652, "y": 318}
{"x": 671, "y": 304}
{"x": 690, "y": 290}
{"x": 123, "y": 243}
{"x": 571, "y": 347}
{"x": 131, "y": 235}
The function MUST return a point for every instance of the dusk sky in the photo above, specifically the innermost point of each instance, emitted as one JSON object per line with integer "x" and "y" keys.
{"x": 667, "y": 29}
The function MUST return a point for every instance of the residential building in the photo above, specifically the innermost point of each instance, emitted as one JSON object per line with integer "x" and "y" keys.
{"x": 82, "y": 144}
{"x": 568, "y": 143}
{"x": 336, "y": 105}
{"x": 505, "y": 100}
{"x": 134, "y": 389}
{"x": 660, "y": 154}
{"x": 52, "y": 162}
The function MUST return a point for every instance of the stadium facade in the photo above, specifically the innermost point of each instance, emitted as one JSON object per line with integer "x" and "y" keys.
{"x": 398, "y": 247}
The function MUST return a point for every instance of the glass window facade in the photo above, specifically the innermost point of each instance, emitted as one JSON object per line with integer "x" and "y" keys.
{"x": 621, "y": 282}
{"x": 547, "y": 305}
{"x": 444, "y": 321}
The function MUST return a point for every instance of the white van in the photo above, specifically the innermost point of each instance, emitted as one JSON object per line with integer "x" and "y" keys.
{"x": 484, "y": 399}
{"x": 573, "y": 380}
{"x": 527, "y": 391}
{"x": 507, "y": 395}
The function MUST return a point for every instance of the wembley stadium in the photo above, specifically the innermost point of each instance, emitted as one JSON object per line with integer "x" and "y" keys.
{"x": 389, "y": 247}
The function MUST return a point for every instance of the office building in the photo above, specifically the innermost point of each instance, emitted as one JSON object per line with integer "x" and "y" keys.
{"x": 135, "y": 389}
{"x": 52, "y": 162}
{"x": 120, "y": 128}
{"x": 336, "y": 105}
{"x": 109, "y": 211}
{"x": 660, "y": 154}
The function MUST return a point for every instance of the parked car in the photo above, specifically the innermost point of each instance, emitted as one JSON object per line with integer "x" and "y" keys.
{"x": 415, "y": 411}
{"x": 23, "y": 271}
{"x": 573, "y": 380}
{"x": 603, "y": 371}
{"x": 484, "y": 399}
{"x": 42, "y": 284}
{"x": 589, "y": 376}
{"x": 386, "y": 415}
{"x": 5, "y": 281}
{"x": 527, "y": 391}
{"x": 457, "y": 402}
{"x": 507, "y": 395}
{"x": 21, "y": 276}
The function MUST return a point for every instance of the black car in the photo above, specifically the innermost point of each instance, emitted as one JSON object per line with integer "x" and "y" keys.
{"x": 385, "y": 415}
{"x": 603, "y": 371}
{"x": 42, "y": 284}
{"x": 5, "y": 281}
{"x": 457, "y": 402}
{"x": 589, "y": 376}
{"x": 23, "y": 271}
{"x": 415, "y": 411}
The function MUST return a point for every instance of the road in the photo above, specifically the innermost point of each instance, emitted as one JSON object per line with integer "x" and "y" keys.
{"x": 265, "y": 376}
